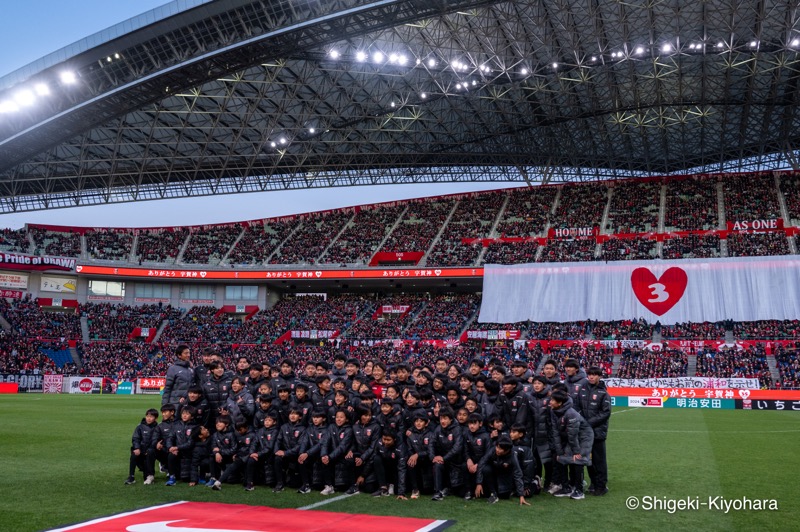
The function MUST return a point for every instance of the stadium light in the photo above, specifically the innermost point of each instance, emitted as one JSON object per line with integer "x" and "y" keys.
{"x": 555, "y": 66}
{"x": 753, "y": 44}
{"x": 639, "y": 50}
{"x": 795, "y": 42}
{"x": 282, "y": 140}
{"x": 41, "y": 89}
{"x": 423, "y": 95}
{"x": 392, "y": 104}
{"x": 116, "y": 56}
{"x": 402, "y": 59}
{"x": 524, "y": 71}
{"x": 666, "y": 48}
{"x": 378, "y": 57}
{"x": 8, "y": 106}
{"x": 361, "y": 56}
{"x": 68, "y": 77}
{"x": 720, "y": 44}
{"x": 272, "y": 144}
{"x": 312, "y": 130}
{"x": 431, "y": 63}
{"x": 25, "y": 98}
{"x": 393, "y": 58}
{"x": 334, "y": 54}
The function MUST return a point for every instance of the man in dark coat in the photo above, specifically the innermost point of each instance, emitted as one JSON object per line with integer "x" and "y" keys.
{"x": 596, "y": 409}
{"x": 575, "y": 380}
{"x": 571, "y": 438}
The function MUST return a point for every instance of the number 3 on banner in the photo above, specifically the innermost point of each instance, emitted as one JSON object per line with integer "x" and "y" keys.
{"x": 657, "y": 290}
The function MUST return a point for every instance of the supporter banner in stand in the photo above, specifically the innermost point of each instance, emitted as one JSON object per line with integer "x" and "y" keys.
{"x": 494, "y": 335}
{"x": 705, "y": 393}
{"x": 27, "y": 383}
{"x": 313, "y": 335}
{"x": 684, "y": 382}
{"x": 13, "y": 280}
{"x": 12, "y": 294}
{"x": 53, "y": 383}
{"x": 755, "y": 226}
{"x": 675, "y": 291}
{"x": 21, "y": 261}
{"x": 64, "y": 285}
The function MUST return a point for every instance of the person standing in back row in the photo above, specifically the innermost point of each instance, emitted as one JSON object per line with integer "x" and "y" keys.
{"x": 595, "y": 407}
{"x": 180, "y": 377}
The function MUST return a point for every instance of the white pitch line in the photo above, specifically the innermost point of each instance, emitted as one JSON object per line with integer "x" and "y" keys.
{"x": 326, "y": 501}
{"x": 621, "y": 411}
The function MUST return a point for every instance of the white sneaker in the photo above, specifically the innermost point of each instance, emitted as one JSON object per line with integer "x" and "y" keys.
{"x": 391, "y": 489}
{"x": 415, "y": 494}
{"x": 554, "y": 488}
{"x": 149, "y": 480}
{"x": 327, "y": 491}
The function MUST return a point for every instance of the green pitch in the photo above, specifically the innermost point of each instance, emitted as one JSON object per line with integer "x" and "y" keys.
{"x": 65, "y": 458}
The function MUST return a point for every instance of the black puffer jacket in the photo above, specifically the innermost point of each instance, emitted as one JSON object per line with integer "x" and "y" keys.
{"x": 143, "y": 435}
{"x": 539, "y": 423}
{"x": 575, "y": 383}
{"x": 595, "y": 406}
{"x": 571, "y": 435}
{"x": 216, "y": 390}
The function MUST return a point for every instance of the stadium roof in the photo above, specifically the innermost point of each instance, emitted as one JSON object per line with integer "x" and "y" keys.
{"x": 201, "y": 98}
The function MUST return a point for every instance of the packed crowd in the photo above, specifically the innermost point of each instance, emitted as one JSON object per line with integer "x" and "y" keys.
{"x": 473, "y": 218}
{"x": 443, "y": 317}
{"x": 748, "y": 363}
{"x": 109, "y": 245}
{"x": 310, "y": 241}
{"x": 210, "y": 244}
{"x": 109, "y": 321}
{"x": 696, "y": 331}
{"x": 388, "y": 325}
{"x": 29, "y": 321}
{"x": 527, "y": 212}
{"x": 569, "y": 251}
{"x": 767, "y": 329}
{"x": 25, "y": 356}
{"x": 621, "y": 330}
{"x": 419, "y": 226}
{"x": 634, "y": 207}
{"x": 56, "y": 244}
{"x": 641, "y": 364}
{"x": 160, "y": 245}
{"x": 511, "y": 253}
{"x": 362, "y": 237}
{"x": 14, "y": 240}
{"x": 580, "y": 206}
{"x": 691, "y": 247}
{"x": 691, "y": 205}
{"x": 628, "y": 249}
{"x": 259, "y": 241}
{"x": 790, "y": 186}
{"x": 120, "y": 360}
{"x": 757, "y": 244}
{"x": 788, "y": 363}
{"x": 750, "y": 197}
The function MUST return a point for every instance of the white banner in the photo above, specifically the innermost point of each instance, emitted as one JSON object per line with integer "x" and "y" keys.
{"x": 14, "y": 280}
{"x": 58, "y": 284}
{"x": 53, "y": 383}
{"x": 685, "y": 382}
{"x": 675, "y": 291}
{"x": 83, "y": 384}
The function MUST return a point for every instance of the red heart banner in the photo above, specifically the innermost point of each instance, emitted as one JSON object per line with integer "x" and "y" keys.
{"x": 659, "y": 295}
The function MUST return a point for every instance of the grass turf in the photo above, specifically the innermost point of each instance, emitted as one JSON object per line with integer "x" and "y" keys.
{"x": 65, "y": 459}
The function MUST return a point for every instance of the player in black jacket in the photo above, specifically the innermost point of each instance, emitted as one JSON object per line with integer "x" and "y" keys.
{"x": 180, "y": 445}
{"x": 266, "y": 443}
{"x": 447, "y": 449}
{"x": 158, "y": 443}
{"x": 308, "y": 460}
{"x": 366, "y": 434}
{"x": 223, "y": 447}
{"x": 390, "y": 465}
{"x": 242, "y": 459}
{"x": 501, "y": 474}
{"x": 291, "y": 444}
{"x": 477, "y": 443}
{"x": 595, "y": 407}
{"x": 337, "y": 458}
{"x": 417, "y": 445}
{"x": 140, "y": 444}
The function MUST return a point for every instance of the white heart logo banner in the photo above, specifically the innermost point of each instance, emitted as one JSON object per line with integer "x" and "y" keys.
{"x": 675, "y": 291}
